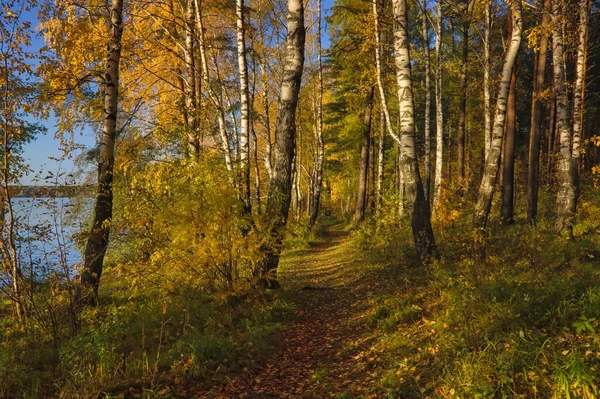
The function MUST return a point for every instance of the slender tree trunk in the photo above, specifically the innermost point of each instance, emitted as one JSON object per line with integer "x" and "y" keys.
{"x": 508, "y": 167}
{"x": 536, "y": 120}
{"x": 551, "y": 135}
{"x": 487, "y": 97}
{"x": 578, "y": 97}
{"x": 244, "y": 108}
{"x": 418, "y": 207}
{"x": 191, "y": 106}
{"x": 223, "y": 136}
{"x": 285, "y": 140}
{"x": 98, "y": 238}
{"x": 439, "y": 113}
{"x": 361, "y": 200}
{"x": 427, "y": 124}
{"x": 380, "y": 161}
{"x": 371, "y": 179}
{"x": 318, "y": 174}
{"x": 462, "y": 114}
{"x": 565, "y": 199}
{"x": 488, "y": 180}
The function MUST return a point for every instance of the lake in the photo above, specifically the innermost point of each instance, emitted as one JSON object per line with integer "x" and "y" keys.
{"x": 45, "y": 228}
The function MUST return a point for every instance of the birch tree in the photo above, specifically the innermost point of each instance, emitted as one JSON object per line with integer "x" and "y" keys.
{"x": 439, "y": 109}
{"x": 427, "y": 124}
{"x": 565, "y": 198}
{"x": 278, "y": 203}
{"x": 245, "y": 107}
{"x": 320, "y": 144}
{"x": 97, "y": 241}
{"x": 488, "y": 180}
{"x": 418, "y": 207}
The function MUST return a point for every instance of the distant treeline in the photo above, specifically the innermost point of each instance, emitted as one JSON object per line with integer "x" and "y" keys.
{"x": 51, "y": 191}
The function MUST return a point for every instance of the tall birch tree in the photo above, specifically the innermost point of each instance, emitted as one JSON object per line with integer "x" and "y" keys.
{"x": 97, "y": 241}
{"x": 488, "y": 180}
{"x": 418, "y": 207}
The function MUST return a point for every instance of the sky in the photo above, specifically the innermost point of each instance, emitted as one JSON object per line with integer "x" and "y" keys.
{"x": 42, "y": 154}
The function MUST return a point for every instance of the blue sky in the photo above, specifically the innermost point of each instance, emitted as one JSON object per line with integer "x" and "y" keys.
{"x": 42, "y": 153}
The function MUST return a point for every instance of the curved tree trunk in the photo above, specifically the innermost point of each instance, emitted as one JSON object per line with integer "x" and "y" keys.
{"x": 97, "y": 242}
{"x": 280, "y": 189}
{"x": 418, "y": 207}
{"x": 488, "y": 180}
{"x": 486, "y": 79}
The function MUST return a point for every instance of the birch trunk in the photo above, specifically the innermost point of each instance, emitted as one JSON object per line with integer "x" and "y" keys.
{"x": 508, "y": 164}
{"x": 285, "y": 140}
{"x": 223, "y": 136}
{"x": 579, "y": 95}
{"x": 488, "y": 180}
{"x": 427, "y": 127}
{"x": 439, "y": 113}
{"x": 380, "y": 161}
{"x": 533, "y": 171}
{"x": 244, "y": 108}
{"x": 318, "y": 174}
{"x": 418, "y": 207}
{"x": 97, "y": 242}
{"x": 565, "y": 199}
{"x": 487, "y": 97}
{"x": 361, "y": 199}
{"x": 189, "y": 80}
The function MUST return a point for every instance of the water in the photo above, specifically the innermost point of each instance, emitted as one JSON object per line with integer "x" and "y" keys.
{"x": 45, "y": 236}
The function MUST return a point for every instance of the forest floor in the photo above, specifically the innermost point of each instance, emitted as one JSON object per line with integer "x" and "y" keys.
{"x": 324, "y": 350}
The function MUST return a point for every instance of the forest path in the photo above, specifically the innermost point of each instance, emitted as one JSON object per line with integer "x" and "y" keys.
{"x": 323, "y": 352}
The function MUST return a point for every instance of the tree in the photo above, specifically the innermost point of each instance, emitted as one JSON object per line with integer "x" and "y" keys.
{"x": 536, "y": 116}
{"x": 280, "y": 190}
{"x": 320, "y": 144}
{"x": 488, "y": 180}
{"x": 508, "y": 167}
{"x": 565, "y": 198}
{"x": 361, "y": 197}
{"x": 97, "y": 241}
{"x": 419, "y": 209}
{"x": 245, "y": 108}
{"x": 439, "y": 110}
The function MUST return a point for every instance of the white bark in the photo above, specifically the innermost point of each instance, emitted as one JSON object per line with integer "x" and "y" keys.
{"x": 579, "y": 94}
{"x": 245, "y": 107}
{"x": 488, "y": 180}
{"x": 487, "y": 97}
{"x": 427, "y": 128}
{"x": 439, "y": 113}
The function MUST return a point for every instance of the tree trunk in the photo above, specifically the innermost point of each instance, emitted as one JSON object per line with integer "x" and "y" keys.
{"x": 439, "y": 113}
{"x": 223, "y": 136}
{"x": 462, "y": 113}
{"x": 361, "y": 199}
{"x": 191, "y": 105}
{"x": 536, "y": 120}
{"x": 244, "y": 108}
{"x": 318, "y": 173}
{"x": 508, "y": 167}
{"x": 488, "y": 180}
{"x": 565, "y": 199}
{"x": 380, "y": 161}
{"x": 486, "y": 79}
{"x": 418, "y": 207}
{"x": 98, "y": 238}
{"x": 285, "y": 141}
{"x": 578, "y": 96}
{"x": 427, "y": 124}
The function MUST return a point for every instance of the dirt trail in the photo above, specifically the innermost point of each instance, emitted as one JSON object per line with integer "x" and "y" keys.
{"x": 322, "y": 355}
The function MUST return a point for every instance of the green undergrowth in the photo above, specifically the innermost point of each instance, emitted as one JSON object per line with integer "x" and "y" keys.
{"x": 512, "y": 314}
{"x": 143, "y": 340}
